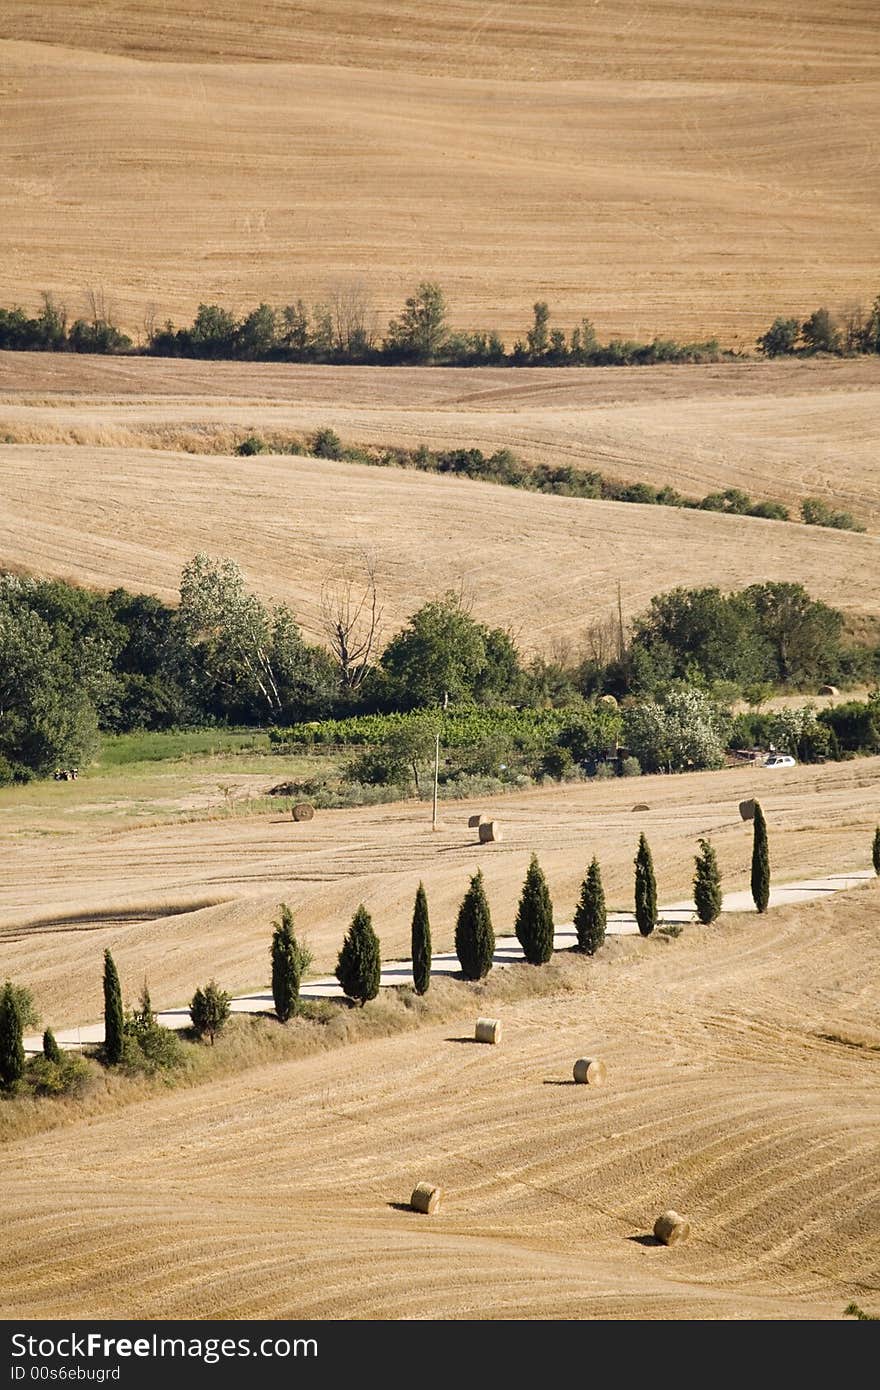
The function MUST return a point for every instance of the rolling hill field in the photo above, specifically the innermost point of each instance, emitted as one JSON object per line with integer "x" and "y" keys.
{"x": 676, "y": 168}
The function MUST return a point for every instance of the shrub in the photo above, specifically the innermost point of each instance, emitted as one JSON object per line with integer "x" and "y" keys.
{"x": 474, "y": 935}
{"x": 421, "y": 942}
{"x": 326, "y": 444}
{"x": 51, "y": 1050}
{"x": 64, "y": 1077}
{"x": 760, "y": 878}
{"x": 631, "y": 767}
{"x": 209, "y": 1011}
{"x": 781, "y": 338}
{"x": 815, "y": 512}
{"x": 147, "y": 1046}
{"x": 645, "y": 889}
{"x": 707, "y": 884}
{"x": 253, "y": 444}
{"x": 359, "y": 967}
{"x": 590, "y": 915}
{"x": 534, "y": 918}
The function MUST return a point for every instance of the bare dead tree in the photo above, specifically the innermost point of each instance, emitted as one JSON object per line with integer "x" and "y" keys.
{"x": 99, "y": 307}
{"x": 351, "y": 617}
{"x": 150, "y": 313}
{"x": 602, "y": 640}
{"x": 354, "y": 318}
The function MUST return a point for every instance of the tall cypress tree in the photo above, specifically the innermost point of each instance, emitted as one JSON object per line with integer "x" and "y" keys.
{"x": 646, "y": 889}
{"x": 707, "y": 884}
{"x": 359, "y": 967}
{"x": 11, "y": 1044}
{"x": 474, "y": 935}
{"x": 590, "y": 915}
{"x": 421, "y": 942}
{"x": 285, "y": 966}
{"x": 534, "y": 917}
{"x": 875, "y": 851}
{"x": 114, "y": 1018}
{"x": 760, "y": 862}
{"x": 51, "y": 1050}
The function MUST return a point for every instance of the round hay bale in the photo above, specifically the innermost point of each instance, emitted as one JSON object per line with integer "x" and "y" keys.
{"x": 303, "y": 811}
{"x": 641, "y": 806}
{"x": 669, "y": 1228}
{"x": 609, "y": 700}
{"x": 747, "y": 809}
{"x": 828, "y": 690}
{"x": 589, "y": 1071}
{"x": 426, "y": 1198}
{"x": 474, "y": 821}
{"x": 488, "y": 1030}
{"x": 490, "y": 832}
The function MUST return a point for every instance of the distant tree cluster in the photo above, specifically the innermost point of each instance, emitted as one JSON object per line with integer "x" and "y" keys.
{"x": 841, "y": 335}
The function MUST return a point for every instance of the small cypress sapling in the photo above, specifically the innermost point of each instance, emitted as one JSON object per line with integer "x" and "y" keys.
{"x": 534, "y": 917}
{"x": 590, "y": 915}
{"x": 359, "y": 968}
{"x": 421, "y": 942}
{"x": 707, "y": 884}
{"x": 285, "y": 966}
{"x": 875, "y": 851}
{"x": 760, "y": 862}
{"x": 209, "y": 1010}
{"x": 51, "y": 1050}
{"x": 11, "y": 1044}
{"x": 474, "y": 935}
{"x": 645, "y": 889}
{"x": 114, "y": 1016}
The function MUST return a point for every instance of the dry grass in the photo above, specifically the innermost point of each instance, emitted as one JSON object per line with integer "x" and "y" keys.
{"x": 681, "y": 168}
{"x": 722, "y": 1101}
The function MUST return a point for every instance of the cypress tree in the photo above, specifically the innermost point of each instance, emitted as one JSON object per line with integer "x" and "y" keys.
{"x": 646, "y": 889}
{"x": 875, "y": 851}
{"x": 51, "y": 1050}
{"x": 114, "y": 1018}
{"x": 760, "y": 862}
{"x": 590, "y": 915}
{"x": 474, "y": 936}
{"x": 534, "y": 917}
{"x": 707, "y": 884}
{"x": 359, "y": 967}
{"x": 421, "y": 943}
{"x": 11, "y": 1045}
{"x": 285, "y": 966}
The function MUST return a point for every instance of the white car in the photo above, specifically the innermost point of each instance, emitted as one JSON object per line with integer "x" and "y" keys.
{"x": 779, "y": 760}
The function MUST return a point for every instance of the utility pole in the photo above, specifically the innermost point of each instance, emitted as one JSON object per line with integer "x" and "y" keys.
{"x": 437, "y": 765}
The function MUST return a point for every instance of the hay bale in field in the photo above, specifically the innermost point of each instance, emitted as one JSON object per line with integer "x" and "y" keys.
{"x": 747, "y": 809}
{"x": 670, "y": 1228}
{"x": 641, "y": 806}
{"x": 474, "y": 821}
{"x": 488, "y": 1030}
{"x": 828, "y": 690}
{"x": 303, "y": 811}
{"x": 426, "y": 1198}
{"x": 589, "y": 1071}
{"x": 608, "y": 700}
{"x": 490, "y": 832}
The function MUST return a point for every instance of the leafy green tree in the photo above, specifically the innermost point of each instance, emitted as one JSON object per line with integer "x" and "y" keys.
{"x": 114, "y": 1016}
{"x": 11, "y": 1044}
{"x": 209, "y": 1010}
{"x": 474, "y": 935}
{"x": 420, "y": 332}
{"x": 214, "y": 331}
{"x": 285, "y": 966}
{"x": 804, "y": 634}
{"x": 359, "y": 968}
{"x": 257, "y": 335}
{"x": 875, "y": 851}
{"x": 421, "y": 942}
{"x": 685, "y": 730}
{"x": 645, "y": 889}
{"x": 707, "y": 884}
{"x": 443, "y": 650}
{"x": 51, "y": 1050}
{"x": 538, "y": 336}
{"x": 590, "y": 914}
{"x": 820, "y": 333}
{"x": 760, "y": 880}
{"x": 534, "y": 917}
{"x": 780, "y": 339}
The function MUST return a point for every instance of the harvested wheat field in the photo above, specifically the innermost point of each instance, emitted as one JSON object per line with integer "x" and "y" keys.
{"x": 741, "y": 1090}
{"x": 778, "y": 430}
{"x": 543, "y": 566}
{"x": 680, "y": 169}
{"x": 185, "y": 900}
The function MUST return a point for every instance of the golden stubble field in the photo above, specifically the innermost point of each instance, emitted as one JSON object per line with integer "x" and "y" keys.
{"x": 682, "y": 169}
{"x": 742, "y": 1090}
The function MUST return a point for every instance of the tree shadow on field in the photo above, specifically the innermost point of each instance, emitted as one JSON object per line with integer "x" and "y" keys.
{"x": 649, "y": 1241}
